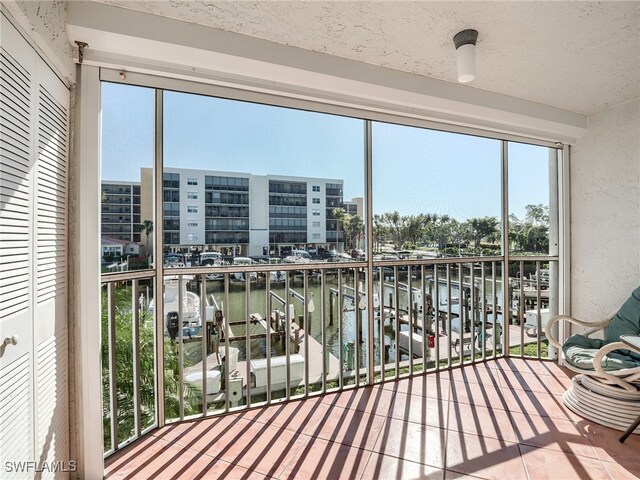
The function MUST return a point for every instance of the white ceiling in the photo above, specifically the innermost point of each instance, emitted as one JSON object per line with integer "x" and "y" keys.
{"x": 579, "y": 56}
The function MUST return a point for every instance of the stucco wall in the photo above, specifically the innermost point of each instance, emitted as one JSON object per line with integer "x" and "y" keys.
{"x": 46, "y": 24}
{"x": 605, "y": 216}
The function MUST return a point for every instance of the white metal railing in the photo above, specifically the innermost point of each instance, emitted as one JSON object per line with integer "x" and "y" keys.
{"x": 128, "y": 360}
{"x": 236, "y": 337}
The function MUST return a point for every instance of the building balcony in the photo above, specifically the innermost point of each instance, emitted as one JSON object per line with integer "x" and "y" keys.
{"x": 408, "y": 367}
{"x": 502, "y": 418}
{"x": 476, "y": 393}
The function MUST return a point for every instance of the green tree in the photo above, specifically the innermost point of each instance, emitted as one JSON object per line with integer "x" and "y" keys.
{"x": 532, "y": 233}
{"x": 340, "y": 215}
{"x": 123, "y": 350}
{"x": 440, "y": 231}
{"x": 537, "y": 214}
{"x": 354, "y": 229}
{"x": 414, "y": 228}
{"x": 394, "y": 226}
{"x": 484, "y": 227}
{"x": 146, "y": 227}
{"x": 379, "y": 232}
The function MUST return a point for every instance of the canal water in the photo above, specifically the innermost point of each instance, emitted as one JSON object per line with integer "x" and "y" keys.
{"x": 342, "y": 329}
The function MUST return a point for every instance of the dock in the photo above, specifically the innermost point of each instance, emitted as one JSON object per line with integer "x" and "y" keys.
{"x": 302, "y": 343}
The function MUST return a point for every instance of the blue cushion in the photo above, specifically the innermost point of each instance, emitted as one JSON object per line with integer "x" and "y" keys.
{"x": 626, "y": 321}
{"x": 580, "y": 351}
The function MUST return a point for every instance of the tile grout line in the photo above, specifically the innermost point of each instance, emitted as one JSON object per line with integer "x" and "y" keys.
{"x": 446, "y": 438}
{"x": 277, "y": 475}
{"x": 499, "y": 388}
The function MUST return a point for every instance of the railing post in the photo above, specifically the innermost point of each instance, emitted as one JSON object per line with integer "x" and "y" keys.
{"x": 180, "y": 347}
{"x": 204, "y": 331}
{"x": 113, "y": 388}
{"x": 135, "y": 318}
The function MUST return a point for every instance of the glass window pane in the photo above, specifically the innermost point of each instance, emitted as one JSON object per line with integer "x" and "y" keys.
{"x": 434, "y": 193}
{"x": 127, "y": 165}
{"x": 261, "y": 156}
{"x": 252, "y": 169}
{"x": 533, "y": 231}
{"x": 532, "y": 199}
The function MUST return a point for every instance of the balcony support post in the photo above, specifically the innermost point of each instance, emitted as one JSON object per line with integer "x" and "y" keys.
{"x": 506, "y": 307}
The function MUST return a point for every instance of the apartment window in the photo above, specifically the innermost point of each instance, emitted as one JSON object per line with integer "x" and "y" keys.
{"x": 192, "y": 195}
{"x": 316, "y": 188}
{"x": 171, "y": 180}
{"x": 171, "y": 195}
{"x": 316, "y": 213}
{"x": 192, "y": 209}
{"x": 316, "y": 236}
{"x": 316, "y": 224}
{"x": 316, "y": 200}
{"x": 192, "y": 237}
{"x": 192, "y": 224}
{"x": 192, "y": 181}
{"x": 226, "y": 183}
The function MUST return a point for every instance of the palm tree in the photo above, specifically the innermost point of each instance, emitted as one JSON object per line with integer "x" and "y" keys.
{"x": 354, "y": 229}
{"x": 340, "y": 215}
{"x": 146, "y": 374}
{"x": 147, "y": 228}
{"x": 379, "y": 232}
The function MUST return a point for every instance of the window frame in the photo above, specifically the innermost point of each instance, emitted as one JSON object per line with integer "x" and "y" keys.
{"x": 90, "y": 141}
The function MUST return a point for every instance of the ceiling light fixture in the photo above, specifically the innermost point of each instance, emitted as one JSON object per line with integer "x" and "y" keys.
{"x": 465, "y": 42}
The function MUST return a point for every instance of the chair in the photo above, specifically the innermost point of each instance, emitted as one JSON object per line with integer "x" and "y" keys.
{"x": 607, "y": 391}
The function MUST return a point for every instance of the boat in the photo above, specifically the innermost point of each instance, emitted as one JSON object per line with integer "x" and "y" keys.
{"x": 191, "y": 318}
{"x": 298, "y": 256}
{"x": 277, "y": 277}
{"x": 240, "y": 276}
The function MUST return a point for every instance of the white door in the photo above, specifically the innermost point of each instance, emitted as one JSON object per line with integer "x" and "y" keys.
{"x": 17, "y": 120}
{"x": 34, "y": 405}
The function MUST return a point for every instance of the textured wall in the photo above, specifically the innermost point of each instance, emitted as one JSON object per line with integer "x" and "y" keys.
{"x": 605, "y": 217}
{"x": 46, "y": 22}
{"x": 532, "y": 50}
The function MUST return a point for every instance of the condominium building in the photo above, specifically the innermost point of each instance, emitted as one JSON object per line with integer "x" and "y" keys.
{"x": 120, "y": 211}
{"x": 244, "y": 214}
{"x": 355, "y": 206}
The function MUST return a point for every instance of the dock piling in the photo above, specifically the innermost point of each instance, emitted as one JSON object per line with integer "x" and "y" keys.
{"x": 330, "y": 309}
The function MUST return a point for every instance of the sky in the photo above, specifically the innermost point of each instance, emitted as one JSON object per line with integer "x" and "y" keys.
{"x": 414, "y": 170}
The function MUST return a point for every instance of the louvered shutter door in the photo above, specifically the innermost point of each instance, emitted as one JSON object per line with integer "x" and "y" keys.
{"x": 50, "y": 319}
{"x": 17, "y": 81}
{"x": 34, "y": 140}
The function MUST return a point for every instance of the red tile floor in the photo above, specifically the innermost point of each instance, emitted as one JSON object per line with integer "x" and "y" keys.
{"x": 503, "y": 419}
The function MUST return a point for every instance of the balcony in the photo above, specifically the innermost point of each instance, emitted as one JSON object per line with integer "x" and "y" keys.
{"x": 92, "y": 376}
{"x": 474, "y": 393}
{"x": 503, "y": 418}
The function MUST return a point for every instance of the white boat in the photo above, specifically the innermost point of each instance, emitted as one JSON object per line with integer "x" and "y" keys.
{"x": 279, "y": 368}
{"x": 191, "y": 318}
{"x": 240, "y": 276}
{"x": 277, "y": 277}
{"x": 298, "y": 256}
